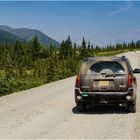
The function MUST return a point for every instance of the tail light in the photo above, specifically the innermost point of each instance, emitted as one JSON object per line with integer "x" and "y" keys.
{"x": 77, "y": 84}
{"x": 130, "y": 80}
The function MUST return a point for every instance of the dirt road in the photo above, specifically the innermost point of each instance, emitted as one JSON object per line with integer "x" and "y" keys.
{"x": 49, "y": 112}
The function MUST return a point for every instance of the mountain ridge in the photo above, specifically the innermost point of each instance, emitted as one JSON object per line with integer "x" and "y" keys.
{"x": 27, "y": 34}
{"x": 6, "y": 37}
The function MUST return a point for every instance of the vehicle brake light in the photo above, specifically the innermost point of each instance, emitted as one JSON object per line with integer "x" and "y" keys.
{"x": 130, "y": 80}
{"x": 77, "y": 84}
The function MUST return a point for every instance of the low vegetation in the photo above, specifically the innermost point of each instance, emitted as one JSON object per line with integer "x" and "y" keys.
{"x": 26, "y": 65}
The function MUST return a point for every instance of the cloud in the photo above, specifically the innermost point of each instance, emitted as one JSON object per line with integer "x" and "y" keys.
{"x": 126, "y": 7}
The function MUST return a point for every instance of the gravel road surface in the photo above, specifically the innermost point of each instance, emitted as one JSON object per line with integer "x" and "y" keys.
{"x": 49, "y": 112}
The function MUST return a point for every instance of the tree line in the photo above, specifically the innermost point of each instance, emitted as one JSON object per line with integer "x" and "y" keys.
{"x": 25, "y": 65}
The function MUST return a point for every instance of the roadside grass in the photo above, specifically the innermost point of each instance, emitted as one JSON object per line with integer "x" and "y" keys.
{"x": 8, "y": 86}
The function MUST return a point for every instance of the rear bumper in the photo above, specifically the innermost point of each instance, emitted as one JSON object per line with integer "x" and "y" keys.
{"x": 104, "y": 97}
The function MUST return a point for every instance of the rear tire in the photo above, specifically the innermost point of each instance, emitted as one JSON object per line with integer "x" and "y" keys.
{"x": 80, "y": 107}
{"x": 131, "y": 107}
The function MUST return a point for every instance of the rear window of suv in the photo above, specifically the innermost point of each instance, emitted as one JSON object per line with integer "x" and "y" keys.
{"x": 103, "y": 67}
{"x": 107, "y": 67}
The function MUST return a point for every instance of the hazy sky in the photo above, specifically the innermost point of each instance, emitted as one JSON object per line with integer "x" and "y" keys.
{"x": 99, "y": 22}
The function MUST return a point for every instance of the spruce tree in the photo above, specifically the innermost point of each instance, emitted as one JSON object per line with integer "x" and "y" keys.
{"x": 83, "y": 52}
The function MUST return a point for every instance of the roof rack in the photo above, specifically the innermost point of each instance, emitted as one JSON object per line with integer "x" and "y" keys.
{"x": 123, "y": 57}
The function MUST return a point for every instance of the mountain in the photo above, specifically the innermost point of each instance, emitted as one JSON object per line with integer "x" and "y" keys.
{"x": 27, "y": 34}
{"x": 8, "y": 37}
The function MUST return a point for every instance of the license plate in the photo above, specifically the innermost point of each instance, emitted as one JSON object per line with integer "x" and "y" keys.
{"x": 103, "y": 83}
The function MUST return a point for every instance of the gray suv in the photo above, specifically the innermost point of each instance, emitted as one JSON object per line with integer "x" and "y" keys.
{"x": 106, "y": 80}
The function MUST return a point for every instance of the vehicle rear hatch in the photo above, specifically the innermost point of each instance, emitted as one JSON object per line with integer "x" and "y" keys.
{"x": 105, "y": 76}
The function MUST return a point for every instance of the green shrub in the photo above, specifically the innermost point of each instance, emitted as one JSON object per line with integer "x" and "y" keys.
{"x": 8, "y": 86}
{"x": 5, "y": 87}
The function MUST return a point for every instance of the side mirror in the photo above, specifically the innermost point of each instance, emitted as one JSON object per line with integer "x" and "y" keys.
{"x": 136, "y": 71}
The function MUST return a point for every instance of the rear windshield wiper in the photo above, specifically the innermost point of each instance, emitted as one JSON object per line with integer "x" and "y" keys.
{"x": 113, "y": 74}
